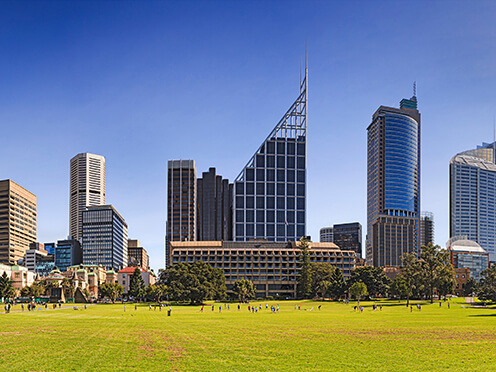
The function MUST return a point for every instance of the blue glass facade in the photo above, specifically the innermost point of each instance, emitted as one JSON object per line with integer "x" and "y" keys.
{"x": 401, "y": 162}
{"x": 393, "y": 184}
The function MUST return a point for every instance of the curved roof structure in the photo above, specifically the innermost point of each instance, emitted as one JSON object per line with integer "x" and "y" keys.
{"x": 474, "y": 162}
{"x": 466, "y": 245}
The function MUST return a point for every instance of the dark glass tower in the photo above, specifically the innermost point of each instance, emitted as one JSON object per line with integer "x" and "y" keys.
{"x": 270, "y": 191}
{"x": 348, "y": 237}
{"x": 393, "y": 183}
{"x": 214, "y": 203}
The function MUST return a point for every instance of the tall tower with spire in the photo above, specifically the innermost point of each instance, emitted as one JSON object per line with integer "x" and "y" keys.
{"x": 393, "y": 183}
{"x": 270, "y": 191}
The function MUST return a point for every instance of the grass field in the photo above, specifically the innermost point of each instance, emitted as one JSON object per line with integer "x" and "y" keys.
{"x": 104, "y": 337}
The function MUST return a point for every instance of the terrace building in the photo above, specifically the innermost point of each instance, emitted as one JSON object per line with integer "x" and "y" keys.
{"x": 271, "y": 266}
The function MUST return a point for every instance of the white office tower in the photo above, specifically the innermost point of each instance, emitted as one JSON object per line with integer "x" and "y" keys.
{"x": 87, "y": 188}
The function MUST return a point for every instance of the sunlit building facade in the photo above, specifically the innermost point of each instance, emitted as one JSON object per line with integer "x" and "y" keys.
{"x": 393, "y": 183}
{"x": 270, "y": 191}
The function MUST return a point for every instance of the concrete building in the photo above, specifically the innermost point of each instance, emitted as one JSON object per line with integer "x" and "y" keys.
{"x": 87, "y": 188}
{"x": 137, "y": 255}
{"x": 214, "y": 203}
{"x": 104, "y": 237}
{"x": 270, "y": 191}
{"x": 326, "y": 235}
{"x": 393, "y": 183}
{"x": 271, "y": 266}
{"x": 124, "y": 277}
{"x": 348, "y": 237}
{"x": 462, "y": 275}
{"x": 38, "y": 260}
{"x": 181, "y": 203}
{"x": 473, "y": 195}
{"x": 468, "y": 254}
{"x": 426, "y": 228}
{"x": 18, "y": 219}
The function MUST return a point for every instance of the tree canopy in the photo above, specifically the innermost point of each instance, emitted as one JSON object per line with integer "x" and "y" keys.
{"x": 136, "y": 285}
{"x": 358, "y": 289}
{"x": 304, "y": 285}
{"x": 487, "y": 285}
{"x": 375, "y": 280}
{"x": 111, "y": 290}
{"x": 194, "y": 282}
{"x": 244, "y": 289}
{"x": 6, "y": 288}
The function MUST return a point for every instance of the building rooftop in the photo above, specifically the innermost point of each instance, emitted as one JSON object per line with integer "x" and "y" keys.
{"x": 130, "y": 270}
{"x": 466, "y": 246}
{"x": 474, "y": 162}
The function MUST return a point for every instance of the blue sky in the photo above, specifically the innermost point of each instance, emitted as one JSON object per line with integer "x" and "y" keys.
{"x": 144, "y": 82}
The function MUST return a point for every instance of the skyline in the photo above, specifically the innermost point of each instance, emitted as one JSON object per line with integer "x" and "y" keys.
{"x": 143, "y": 84}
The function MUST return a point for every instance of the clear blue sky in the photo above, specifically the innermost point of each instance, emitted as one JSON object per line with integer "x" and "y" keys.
{"x": 142, "y": 82}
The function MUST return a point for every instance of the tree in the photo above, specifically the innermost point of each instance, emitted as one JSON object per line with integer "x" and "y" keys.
{"x": 6, "y": 288}
{"x": 320, "y": 272}
{"x": 323, "y": 288}
{"x": 358, "y": 289}
{"x": 111, "y": 290}
{"x": 136, "y": 285}
{"x": 304, "y": 285}
{"x": 194, "y": 282}
{"x": 244, "y": 289}
{"x": 400, "y": 287}
{"x": 437, "y": 270}
{"x": 338, "y": 285}
{"x": 487, "y": 285}
{"x": 375, "y": 280}
{"x": 471, "y": 287}
{"x": 69, "y": 287}
{"x": 412, "y": 272}
{"x": 156, "y": 291}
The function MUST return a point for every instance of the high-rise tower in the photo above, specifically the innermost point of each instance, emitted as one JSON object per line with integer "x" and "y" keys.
{"x": 181, "y": 203}
{"x": 393, "y": 183}
{"x": 473, "y": 195}
{"x": 214, "y": 207}
{"x": 18, "y": 220}
{"x": 87, "y": 188}
{"x": 270, "y": 191}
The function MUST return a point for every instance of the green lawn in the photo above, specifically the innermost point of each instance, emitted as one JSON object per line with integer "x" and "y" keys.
{"x": 104, "y": 337}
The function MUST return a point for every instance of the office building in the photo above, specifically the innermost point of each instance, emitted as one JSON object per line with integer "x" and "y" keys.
{"x": 68, "y": 252}
{"x": 17, "y": 221}
{"x": 137, "y": 255}
{"x": 467, "y": 254}
{"x": 181, "y": 203}
{"x": 273, "y": 267}
{"x": 87, "y": 188}
{"x": 473, "y": 195}
{"x": 426, "y": 228}
{"x": 348, "y": 237}
{"x": 393, "y": 184}
{"x": 214, "y": 203}
{"x": 326, "y": 235}
{"x": 270, "y": 191}
{"x": 104, "y": 237}
{"x": 38, "y": 260}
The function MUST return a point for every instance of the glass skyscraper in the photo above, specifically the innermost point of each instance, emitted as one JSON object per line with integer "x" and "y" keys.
{"x": 473, "y": 197}
{"x": 270, "y": 191}
{"x": 393, "y": 183}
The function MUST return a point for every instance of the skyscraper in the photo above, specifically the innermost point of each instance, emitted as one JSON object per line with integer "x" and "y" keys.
{"x": 181, "y": 203}
{"x": 473, "y": 195}
{"x": 327, "y": 235}
{"x": 426, "y": 228}
{"x": 348, "y": 237}
{"x": 18, "y": 221}
{"x": 104, "y": 237}
{"x": 393, "y": 183}
{"x": 87, "y": 188}
{"x": 214, "y": 203}
{"x": 270, "y": 191}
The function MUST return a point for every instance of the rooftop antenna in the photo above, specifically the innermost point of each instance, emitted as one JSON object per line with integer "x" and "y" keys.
{"x": 415, "y": 89}
{"x": 494, "y": 139}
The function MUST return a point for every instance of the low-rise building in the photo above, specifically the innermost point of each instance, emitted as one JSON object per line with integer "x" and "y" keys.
{"x": 461, "y": 277}
{"x": 466, "y": 253}
{"x": 271, "y": 266}
{"x": 20, "y": 275}
{"x": 124, "y": 277}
